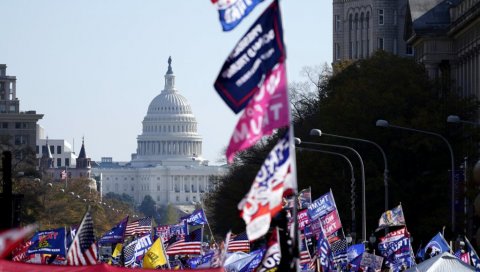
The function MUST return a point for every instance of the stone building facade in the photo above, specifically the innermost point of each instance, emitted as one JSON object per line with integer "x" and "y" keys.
{"x": 18, "y": 129}
{"x": 360, "y": 27}
{"x": 446, "y": 38}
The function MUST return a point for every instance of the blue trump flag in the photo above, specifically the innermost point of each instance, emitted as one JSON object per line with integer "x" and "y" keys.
{"x": 321, "y": 206}
{"x": 253, "y": 57}
{"x": 116, "y": 234}
{"x": 48, "y": 242}
{"x": 232, "y": 12}
{"x": 196, "y": 218}
{"x": 438, "y": 245}
{"x": 354, "y": 251}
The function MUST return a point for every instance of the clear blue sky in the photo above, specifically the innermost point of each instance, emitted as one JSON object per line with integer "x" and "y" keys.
{"x": 93, "y": 66}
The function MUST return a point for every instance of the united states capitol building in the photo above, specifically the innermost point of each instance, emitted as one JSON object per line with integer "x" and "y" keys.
{"x": 168, "y": 163}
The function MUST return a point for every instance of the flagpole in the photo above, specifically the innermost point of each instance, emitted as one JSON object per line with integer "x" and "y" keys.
{"x": 295, "y": 243}
{"x": 206, "y": 219}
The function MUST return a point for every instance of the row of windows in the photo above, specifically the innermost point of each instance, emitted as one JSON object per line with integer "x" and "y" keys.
{"x": 363, "y": 20}
{"x": 168, "y": 128}
{"x": 146, "y": 187}
{"x": 3, "y": 108}
{"x": 52, "y": 149}
{"x": 356, "y": 49}
{"x": 21, "y": 139}
{"x": 18, "y": 125}
{"x": 59, "y": 162}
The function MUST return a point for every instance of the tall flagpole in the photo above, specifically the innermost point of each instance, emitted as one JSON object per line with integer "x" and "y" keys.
{"x": 295, "y": 242}
{"x": 206, "y": 219}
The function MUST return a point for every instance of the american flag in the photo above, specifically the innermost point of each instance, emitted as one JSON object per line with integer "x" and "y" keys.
{"x": 339, "y": 251}
{"x": 304, "y": 254}
{"x": 83, "y": 250}
{"x": 191, "y": 244}
{"x": 141, "y": 226}
{"x": 239, "y": 243}
{"x": 129, "y": 253}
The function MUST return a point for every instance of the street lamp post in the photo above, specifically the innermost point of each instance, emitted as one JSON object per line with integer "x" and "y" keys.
{"x": 352, "y": 184}
{"x": 456, "y": 119}
{"x": 362, "y": 168}
{"x": 384, "y": 123}
{"x": 318, "y": 132}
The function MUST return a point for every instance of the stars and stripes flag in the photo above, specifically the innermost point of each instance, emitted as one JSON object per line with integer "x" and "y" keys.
{"x": 304, "y": 254}
{"x": 83, "y": 250}
{"x": 140, "y": 226}
{"x": 129, "y": 253}
{"x": 239, "y": 243}
{"x": 191, "y": 244}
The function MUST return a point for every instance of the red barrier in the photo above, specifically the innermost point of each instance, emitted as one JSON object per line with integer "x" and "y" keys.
{"x": 8, "y": 266}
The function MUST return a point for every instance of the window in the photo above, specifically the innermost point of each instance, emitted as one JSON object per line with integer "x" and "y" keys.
{"x": 158, "y": 198}
{"x": 350, "y": 52}
{"x": 5, "y": 125}
{"x": 20, "y": 140}
{"x": 395, "y": 17}
{"x": 337, "y": 23}
{"x": 177, "y": 198}
{"x": 187, "y": 198}
{"x": 37, "y": 149}
{"x": 158, "y": 187}
{"x": 52, "y": 149}
{"x": 59, "y": 149}
{"x": 395, "y": 46}
{"x": 380, "y": 44}
{"x": 380, "y": 16}
{"x": 409, "y": 50}
{"x": 59, "y": 162}
{"x": 18, "y": 125}
{"x": 67, "y": 162}
{"x": 350, "y": 22}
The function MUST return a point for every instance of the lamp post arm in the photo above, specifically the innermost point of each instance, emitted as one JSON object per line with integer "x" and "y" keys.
{"x": 362, "y": 168}
{"x": 452, "y": 161}
{"x": 385, "y": 169}
{"x": 352, "y": 189}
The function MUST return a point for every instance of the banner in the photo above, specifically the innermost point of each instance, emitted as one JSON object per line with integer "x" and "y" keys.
{"x": 48, "y": 242}
{"x": 473, "y": 255}
{"x": 303, "y": 219}
{"x": 143, "y": 244}
{"x": 116, "y": 234}
{"x": 324, "y": 253}
{"x": 155, "y": 256}
{"x": 273, "y": 181}
{"x": 396, "y": 249}
{"x": 196, "y": 218}
{"x": 232, "y": 12}
{"x": 331, "y": 223}
{"x": 391, "y": 218}
{"x": 273, "y": 254}
{"x": 266, "y": 111}
{"x": 253, "y": 57}
{"x": 162, "y": 232}
{"x": 371, "y": 261}
{"x": 321, "y": 206}
{"x": 437, "y": 245}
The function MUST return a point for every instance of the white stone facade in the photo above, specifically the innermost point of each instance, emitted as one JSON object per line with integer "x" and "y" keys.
{"x": 168, "y": 163}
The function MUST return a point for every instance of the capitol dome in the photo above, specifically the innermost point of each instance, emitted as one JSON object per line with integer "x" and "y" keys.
{"x": 169, "y": 134}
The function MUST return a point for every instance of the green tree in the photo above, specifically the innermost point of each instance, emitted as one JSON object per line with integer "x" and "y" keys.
{"x": 149, "y": 208}
{"x": 348, "y": 103}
